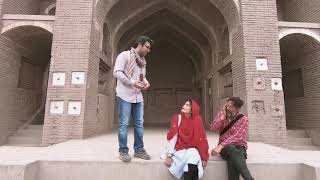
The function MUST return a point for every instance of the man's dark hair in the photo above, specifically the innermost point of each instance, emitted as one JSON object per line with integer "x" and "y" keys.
{"x": 142, "y": 40}
{"x": 236, "y": 101}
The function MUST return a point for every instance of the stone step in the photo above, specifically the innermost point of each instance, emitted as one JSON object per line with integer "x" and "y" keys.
{"x": 26, "y": 145}
{"x": 146, "y": 170}
{"x": 32, "y": 126}
{"x": 299, "y": 141}
{"x": 31, "y": 132}
{"x": 24, "y": 140}
{"x": 304, "y": 148}
{"x": 298, "y": 133}
{"x": 30, "y": 136}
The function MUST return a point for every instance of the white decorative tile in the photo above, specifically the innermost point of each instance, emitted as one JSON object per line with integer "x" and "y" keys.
{"x": 276, "y": 84}
{"x": 58, "y": 79}
{"x": 262, "y": 64}
{"x": 77, "y": 77}
{"x": 74, "y": 107}
{"x": 56, "y": 107}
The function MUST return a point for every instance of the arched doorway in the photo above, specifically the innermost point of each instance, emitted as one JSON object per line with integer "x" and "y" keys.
{"x": 30, "y": 52}
{"x": 188, "y": 38}
{"x": 300, "y": 58}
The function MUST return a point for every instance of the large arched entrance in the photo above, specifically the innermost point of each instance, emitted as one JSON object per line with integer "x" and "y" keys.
{"x": 300, "y": 65}
{"x": 190, "y": 39}
{"x": 28, "y": 55}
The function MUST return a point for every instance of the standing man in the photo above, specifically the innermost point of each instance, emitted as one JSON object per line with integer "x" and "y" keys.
{"x": 130, "y": 71}
{"x": 233, "y": 129}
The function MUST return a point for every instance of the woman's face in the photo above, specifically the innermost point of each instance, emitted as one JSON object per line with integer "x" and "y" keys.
{"x": 186, "y": 108}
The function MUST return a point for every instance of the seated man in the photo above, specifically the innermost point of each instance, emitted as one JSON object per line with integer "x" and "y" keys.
{"x": 233, "y": 129}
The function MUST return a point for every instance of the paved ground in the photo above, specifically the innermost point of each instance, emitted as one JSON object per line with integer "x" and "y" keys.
{"x": 104, "y": 148}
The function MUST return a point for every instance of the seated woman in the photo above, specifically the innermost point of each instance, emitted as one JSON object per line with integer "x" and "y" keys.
{"x": 191, "y": 148}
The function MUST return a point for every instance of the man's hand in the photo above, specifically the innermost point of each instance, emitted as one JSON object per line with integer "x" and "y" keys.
{"x": 146, "y": 85}
{"x": 217, "y": 150}
{"x": 138, "y": 84}
{"x": 204, "y": 163}
{"x": 224, "y": 110}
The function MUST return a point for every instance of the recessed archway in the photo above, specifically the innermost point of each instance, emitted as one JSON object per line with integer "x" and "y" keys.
{"x": 31, "y": 52}
{"x": 193, "y": 31}
{"x": 300, "y": 65}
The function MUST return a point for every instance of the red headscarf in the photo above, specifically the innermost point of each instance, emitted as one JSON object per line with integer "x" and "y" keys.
{"x": 191, "y": 132}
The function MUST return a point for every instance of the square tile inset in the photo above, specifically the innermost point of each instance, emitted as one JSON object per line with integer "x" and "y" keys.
{"x": 262, "y": 64}
{"x": 276, "y": 84}
{"x": 277, "y": 110}
{"x": 258, "y": 107}
{"x": 259, "y": 83}
{"x": 58, "y": 79}
{"x": 77, "y": 77}
{"x": 56, "y": 107}
{"x": 74, "y": 107}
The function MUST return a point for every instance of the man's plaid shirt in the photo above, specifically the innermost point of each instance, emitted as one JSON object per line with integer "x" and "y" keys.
{"x": 236, "y": 135}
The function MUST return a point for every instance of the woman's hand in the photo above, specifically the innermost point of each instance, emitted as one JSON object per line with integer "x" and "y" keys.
{"x": 204, "y": 163}
{"x": 168, "y": 161}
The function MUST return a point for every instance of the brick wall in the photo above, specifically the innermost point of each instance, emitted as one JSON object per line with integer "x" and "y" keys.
{"x": 281, "y": 10}
{"x": 71, "y": 51}
{"x": 300, "y": 10}
{"x": 91, "y": 124}
{"x": 103, "y": 121}
{"x": 17, "y": 104}
{"x": 260, "y": 31}
{"x": 21, "y": 6}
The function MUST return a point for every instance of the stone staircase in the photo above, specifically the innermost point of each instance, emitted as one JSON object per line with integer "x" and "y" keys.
{"x": 299, "y": 140}
{"x": 30, "y": 136}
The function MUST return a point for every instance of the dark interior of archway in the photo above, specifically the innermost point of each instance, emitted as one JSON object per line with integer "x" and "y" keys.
{"x": 171, "y": 70}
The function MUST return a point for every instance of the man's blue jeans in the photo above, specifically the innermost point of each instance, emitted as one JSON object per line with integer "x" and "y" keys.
{"x": 125, "y": 110}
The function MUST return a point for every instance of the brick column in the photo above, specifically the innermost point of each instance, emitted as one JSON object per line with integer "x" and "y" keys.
{"x": 71, "y": 55}
{"x": 264, "y": 104}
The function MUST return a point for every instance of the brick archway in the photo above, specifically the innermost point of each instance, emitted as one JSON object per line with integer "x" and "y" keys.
{"x": 287, "y": 32}
{"x": 44, "y": 26}
{"x": 204, "y": 31}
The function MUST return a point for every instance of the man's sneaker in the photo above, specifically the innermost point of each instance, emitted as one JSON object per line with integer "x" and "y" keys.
{"x": 124, "y": 157}
{"x": 142, "y": 155}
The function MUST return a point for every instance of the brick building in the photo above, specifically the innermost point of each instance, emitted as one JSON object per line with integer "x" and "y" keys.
{"x": 56, "y": 60}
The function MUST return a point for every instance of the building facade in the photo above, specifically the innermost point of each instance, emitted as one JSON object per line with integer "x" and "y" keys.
{"x": 57, "y": 56}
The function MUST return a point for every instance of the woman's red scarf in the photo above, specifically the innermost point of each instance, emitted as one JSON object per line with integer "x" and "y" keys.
{"x": 191, "y": 132}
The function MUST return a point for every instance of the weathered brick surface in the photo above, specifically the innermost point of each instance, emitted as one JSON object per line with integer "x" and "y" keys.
{"x": 21, "y": 6}
{"x": 70, "y": 52}
{"x": 260, "y": 31}
{"x": 299, "y": 10}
